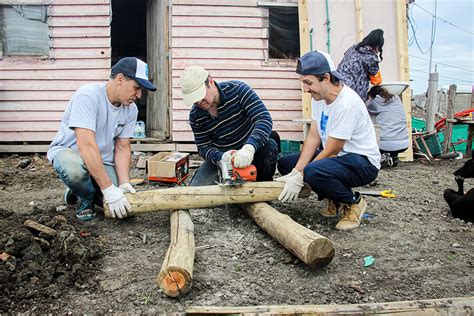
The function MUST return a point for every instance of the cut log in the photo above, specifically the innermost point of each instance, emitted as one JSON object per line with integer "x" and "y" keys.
{"x": 310, "y": 247}
{"x": 41, "y": 228}
{"x": 176, "y": 275}
{"x": 204, "y": 196}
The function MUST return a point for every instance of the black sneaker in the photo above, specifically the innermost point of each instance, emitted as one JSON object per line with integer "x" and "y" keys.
{"x": 69, "y": 197}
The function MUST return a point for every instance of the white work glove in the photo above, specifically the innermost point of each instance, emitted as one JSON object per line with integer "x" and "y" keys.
{"x": 118, "y": 204}
{"x": 293, "y": 185}
{"x": 244, "y": 157}
{"x": 127, "y": 188}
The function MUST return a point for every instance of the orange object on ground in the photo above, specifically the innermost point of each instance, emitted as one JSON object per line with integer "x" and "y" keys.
{"x": 442, "y": 123}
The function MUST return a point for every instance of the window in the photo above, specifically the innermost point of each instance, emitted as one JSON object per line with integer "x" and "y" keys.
{"x": 284, "y": 34}
{"x": 24, "y": 30}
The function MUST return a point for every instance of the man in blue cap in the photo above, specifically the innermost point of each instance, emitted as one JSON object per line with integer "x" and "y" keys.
{"x": 349, "y": 157}
{"x": 91, "y": 151}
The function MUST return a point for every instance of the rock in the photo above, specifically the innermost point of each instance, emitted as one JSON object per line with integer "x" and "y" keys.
{"x": 24, "y": 163}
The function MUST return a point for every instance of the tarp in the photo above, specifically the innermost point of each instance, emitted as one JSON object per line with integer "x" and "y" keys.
{"x": 459, "y": 133}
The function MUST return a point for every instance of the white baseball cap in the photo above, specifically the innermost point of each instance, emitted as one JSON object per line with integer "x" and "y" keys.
{"x": 193, "y": 86}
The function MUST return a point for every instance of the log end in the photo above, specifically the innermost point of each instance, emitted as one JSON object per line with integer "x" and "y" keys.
{"x": 305, "y": 192}
{"x": 320, "y": 253}
{"x": 174, "y": 281}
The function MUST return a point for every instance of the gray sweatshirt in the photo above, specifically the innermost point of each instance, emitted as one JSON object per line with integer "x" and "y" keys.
{"x": 390, "y": 116}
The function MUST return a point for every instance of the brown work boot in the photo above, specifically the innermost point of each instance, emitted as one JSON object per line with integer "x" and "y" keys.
{"x": 352, "y": 214}
{"x": 330, "y": 210}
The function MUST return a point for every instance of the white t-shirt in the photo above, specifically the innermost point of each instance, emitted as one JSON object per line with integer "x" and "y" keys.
{"x": 347, "y": 118}
{"x": 90, "y": 108}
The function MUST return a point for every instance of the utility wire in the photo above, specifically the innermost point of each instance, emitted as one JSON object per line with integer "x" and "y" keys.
{"x": 440, "y": 63}
{"x": 446, "y": 77}
{"x": 437, "y": 17}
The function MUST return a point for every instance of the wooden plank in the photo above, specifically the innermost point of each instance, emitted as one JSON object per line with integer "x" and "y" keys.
{"x": 75, "y": 21}
{"x": 404, "y": 69}
{"x": 29, "y": 116}
{"x": 180, "y": 136}
{"x": 15, "y": 64}
{"x": 264, "y": 94}
{"x": 191, "y": 42}
{"x": 228, "y": 32}
{"x": 37, "y": 95}
{"x": 434, "y": 307}
{"x": 30, "y": 136}
{"x": 290, "y": 76}
{"x": 33, "y": 105}
{"x": 258, "y": 83}
{"x": 73, "y": 53}
{"x": 304, "y": 48}
{"x": 218, "y": 10}
{"x": 217, "y": 21}
{"x": 56, "y": 74}
{"x": 81, "y": 42}
{"x": 99, "y": 31}
{"x": 53, "y": 2}
{"x": 277, "y": 125}
{"x": 359, "y": 25}
{"x": 80, "y": 10}
{"x": 285, "y": 115}
{"x": 38, "y": 126}
{"x": 233, "y": 3}
{"x": 235, "y": 64}
{"x": 272, "y": 105}
{"x": 41, "y": 85}
{"x": 6, "y": 148}
{"x": 187, "y": 148}
{"x": 218, "y": 53}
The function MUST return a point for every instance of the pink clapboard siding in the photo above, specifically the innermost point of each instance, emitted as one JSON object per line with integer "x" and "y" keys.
{"x": 35, "y": 92}
{"x": 230, "y": 39}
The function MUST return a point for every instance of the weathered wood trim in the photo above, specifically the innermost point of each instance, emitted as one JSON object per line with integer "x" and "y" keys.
{"x": 433, "y": 307}
{"x": 6, "y": 148}
{"x": 304, "y": 48}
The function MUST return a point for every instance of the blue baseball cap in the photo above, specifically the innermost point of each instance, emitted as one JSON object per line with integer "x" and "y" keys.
{"x": 317, "y": 63}
{"x": 135, "y": 69}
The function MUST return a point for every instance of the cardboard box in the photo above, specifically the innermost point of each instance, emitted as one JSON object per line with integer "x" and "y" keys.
{"x": 170, "y": 167}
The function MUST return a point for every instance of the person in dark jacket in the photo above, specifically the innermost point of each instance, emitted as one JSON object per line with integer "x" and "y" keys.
{"x": 360, "y": 64}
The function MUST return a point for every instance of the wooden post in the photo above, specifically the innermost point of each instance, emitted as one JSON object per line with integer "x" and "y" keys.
{"x": 204, "y": 196}
{"x": 431, "y": 102}
{"x": 404, "y": 69}
{"x": 304, "y": 48}
{"x": 359, "y": 26}
{"x": 448, "y": 130}
{"x": 176, "y": 275}
{"x": 310, "y": 247}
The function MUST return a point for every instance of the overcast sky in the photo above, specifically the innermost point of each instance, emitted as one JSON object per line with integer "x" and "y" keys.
{"x": 453, "y": 42}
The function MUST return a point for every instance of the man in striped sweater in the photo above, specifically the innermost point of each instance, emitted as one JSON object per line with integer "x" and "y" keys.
{"x": 228, "y": 116}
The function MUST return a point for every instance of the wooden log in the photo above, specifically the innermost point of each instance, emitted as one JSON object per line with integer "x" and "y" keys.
{"x": 310, "y": 247}
{"x": 176, "y": 275}
{"x": 433, "y": 307}
{"x": 204, "y": 196}
{"x": 41, "y": 228}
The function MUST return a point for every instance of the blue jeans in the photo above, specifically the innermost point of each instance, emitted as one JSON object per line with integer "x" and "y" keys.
{"x": 334, "y": 178}
{"x": 265, "y": 160}
{"x": 72, "y": 170}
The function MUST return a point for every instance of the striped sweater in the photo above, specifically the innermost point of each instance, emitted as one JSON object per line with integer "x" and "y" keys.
{"x": 242, "y": 119}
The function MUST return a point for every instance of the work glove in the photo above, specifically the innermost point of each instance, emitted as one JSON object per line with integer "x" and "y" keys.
{"x": 118, "y": 204}
{"x": 293, "y": 185}
{"x": 127, "y": 188}
{"x": 227, "y": 155}
{"x": 244, "y": 157}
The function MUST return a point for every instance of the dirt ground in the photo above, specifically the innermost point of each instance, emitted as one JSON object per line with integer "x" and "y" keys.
{"x": 108, "y": 265}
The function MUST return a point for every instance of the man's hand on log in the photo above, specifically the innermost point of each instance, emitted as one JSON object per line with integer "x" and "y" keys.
{"x": 127, "y": 188}
{"x": 293, "y": 185}
{"x": 118, "y": 203}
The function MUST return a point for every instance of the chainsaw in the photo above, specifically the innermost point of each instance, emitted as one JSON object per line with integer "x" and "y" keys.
{"x": 229, "y": 175}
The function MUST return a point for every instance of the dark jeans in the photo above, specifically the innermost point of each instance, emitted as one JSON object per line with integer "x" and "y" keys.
{"x": 334, "y": 178}
{"x": 265, "y": 160}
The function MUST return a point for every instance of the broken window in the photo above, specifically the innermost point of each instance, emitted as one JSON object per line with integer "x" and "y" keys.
{"x": 24, "y": 30}
{"x": 284, "y": 34}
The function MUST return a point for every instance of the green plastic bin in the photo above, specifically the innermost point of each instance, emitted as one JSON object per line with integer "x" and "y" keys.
{"x": 289, "y": 147}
